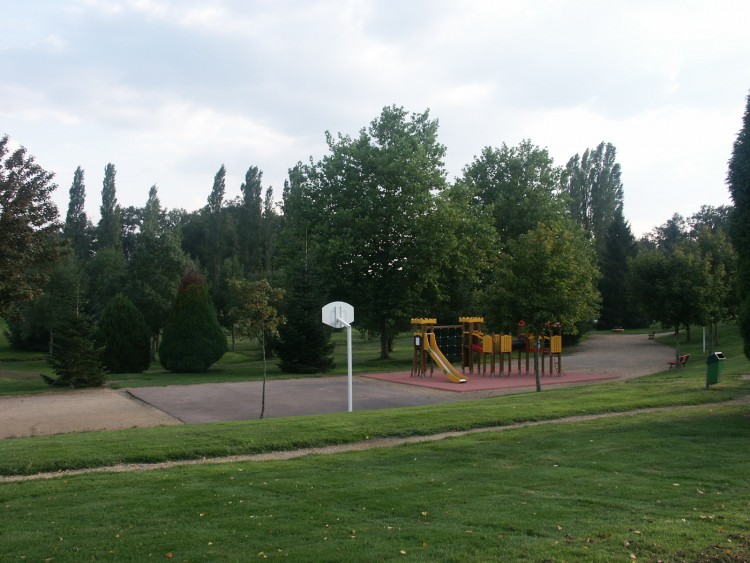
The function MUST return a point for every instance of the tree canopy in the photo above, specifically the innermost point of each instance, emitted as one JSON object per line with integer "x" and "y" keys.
{"x": 29, "y": 245}
{"x": 367, "y": 206}
{"x": 738, "y": 179}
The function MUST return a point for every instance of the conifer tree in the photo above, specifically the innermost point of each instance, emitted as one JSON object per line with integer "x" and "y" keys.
{"x": 193, "y": 339}
{"x": 738, "y": 179}
{"x": 304, "y": 344}
{"x": 75, "y": 357}
{"x": 124, "y": 337}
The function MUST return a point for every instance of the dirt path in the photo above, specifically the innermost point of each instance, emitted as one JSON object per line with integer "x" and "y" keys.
{"x": 618, "y": 355}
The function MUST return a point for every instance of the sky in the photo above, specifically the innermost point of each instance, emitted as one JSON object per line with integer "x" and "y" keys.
{"x": 170, "y": 90}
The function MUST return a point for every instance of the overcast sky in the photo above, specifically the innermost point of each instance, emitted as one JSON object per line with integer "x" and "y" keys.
{"x": 169, "y": 90}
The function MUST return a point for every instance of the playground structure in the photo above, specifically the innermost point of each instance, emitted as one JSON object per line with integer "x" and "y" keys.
{"x": 476, "y": 346}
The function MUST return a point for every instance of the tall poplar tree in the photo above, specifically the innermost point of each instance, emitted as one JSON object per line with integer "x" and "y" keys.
{"x": 738, "y": 179}
{"x": 594, "y": 188}
{"x": 108, "y": 232}
{"x": 76, "y": 228}
{"x": 250, "y": 220}
{"x": 216, "y": 226}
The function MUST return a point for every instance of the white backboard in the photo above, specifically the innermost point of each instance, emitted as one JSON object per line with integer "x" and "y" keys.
{"x": 336, "y": 312}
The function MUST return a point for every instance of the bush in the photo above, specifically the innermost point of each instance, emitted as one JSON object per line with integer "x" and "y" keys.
{"x": 192, "y": 339}
{"x": 124, "y": 337}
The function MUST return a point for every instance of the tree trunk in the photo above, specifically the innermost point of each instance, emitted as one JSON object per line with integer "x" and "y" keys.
{"x": 263, "y": 393}
{"x": 688, "y": 336}
{"x": 384, "y": 355}
{"x": 677, "y": 347}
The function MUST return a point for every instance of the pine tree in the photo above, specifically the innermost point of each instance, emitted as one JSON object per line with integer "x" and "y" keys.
{"x": 738, "y": 179}
{"x": 124, "y": 337}
{"x": 75, "y": 357}
{"x": 619, "y": 245}
{"x": 193, "y": 339}
{"x": 304, "y": 344}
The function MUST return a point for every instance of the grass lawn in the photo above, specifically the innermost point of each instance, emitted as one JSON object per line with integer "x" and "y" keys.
{"x": 242, "y": 364}
{"x": 670, "y": 485}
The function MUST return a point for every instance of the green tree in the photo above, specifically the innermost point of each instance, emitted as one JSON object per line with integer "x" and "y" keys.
{"x": 619, "y": 245}
{"x": 520, "y": 185}
{"x": 216, "y": 226}
{"x": 738, "y": 180}
{"x": 106, "y": 274}
{"x": 548, "y": 276}
{"x": 155, "y": 267}
{"x": 304, "y": 344}
{"x": 108, "y": 231}
{"x": 721, "y": 291}
{"x": 33, "y": 323}
{"x": 367, "y": 207}
{"x": 670, "y": 287}
{"x": 671, "y": 234}
{"x": 75, "y": 356}
{"x": 270, "y": 227}
{"x": 193, "y": 340}
{"x": 251, "y": 219}
{"x": 124, "y": 337}
{"x": 257, "y": 316}
{"x": 77, "y": 229}
{"x": 29, "y": 242}
{"x": 594, "y": 188}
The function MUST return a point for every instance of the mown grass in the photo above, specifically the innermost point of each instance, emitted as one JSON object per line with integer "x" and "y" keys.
{"x": 668, "y": 485}
{"x": 672, "y": 486}
{"x": 71, "y": 451}
{"x": 244, "y": 363}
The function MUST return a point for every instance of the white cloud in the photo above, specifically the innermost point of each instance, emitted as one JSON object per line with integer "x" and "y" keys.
{"x": 169, "y": 90}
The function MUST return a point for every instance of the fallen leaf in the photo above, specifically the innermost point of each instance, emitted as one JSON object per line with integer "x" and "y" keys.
{"x": 169, "y": 555}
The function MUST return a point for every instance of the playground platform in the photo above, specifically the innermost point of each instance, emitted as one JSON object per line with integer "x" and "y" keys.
{"x": 479, "y": 382}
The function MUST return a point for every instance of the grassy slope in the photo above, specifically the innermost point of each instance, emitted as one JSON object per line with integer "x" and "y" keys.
{"x": 671, "y": 486}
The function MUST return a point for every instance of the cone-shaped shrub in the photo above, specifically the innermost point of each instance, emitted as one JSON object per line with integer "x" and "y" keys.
{"x": 75, "y": 357}
{"x": 124, "y": 337}
{"x": 192, "y": 340}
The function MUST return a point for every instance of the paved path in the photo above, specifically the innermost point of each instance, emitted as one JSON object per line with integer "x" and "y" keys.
{"x": 618, "y": 355}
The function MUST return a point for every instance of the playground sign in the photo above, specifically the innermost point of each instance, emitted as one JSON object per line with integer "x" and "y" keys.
{"x": 338, "y": 315}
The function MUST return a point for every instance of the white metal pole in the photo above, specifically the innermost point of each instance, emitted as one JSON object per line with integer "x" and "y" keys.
{"x": 349, "y": 361}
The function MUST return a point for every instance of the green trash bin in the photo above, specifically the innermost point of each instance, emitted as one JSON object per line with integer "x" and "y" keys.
{"x": 714, "y": 367}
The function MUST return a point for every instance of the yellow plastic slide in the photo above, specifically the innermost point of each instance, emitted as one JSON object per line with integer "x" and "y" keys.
{"x": 442, "y": 361}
